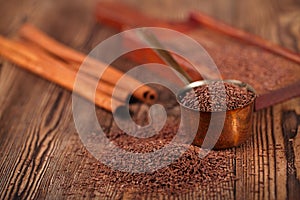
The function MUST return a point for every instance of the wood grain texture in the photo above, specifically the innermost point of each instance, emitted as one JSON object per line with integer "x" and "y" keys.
{"x": 41, "y": 155}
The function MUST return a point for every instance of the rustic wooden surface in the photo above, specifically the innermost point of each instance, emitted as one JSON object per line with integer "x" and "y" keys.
{"x": 40, "y": 149}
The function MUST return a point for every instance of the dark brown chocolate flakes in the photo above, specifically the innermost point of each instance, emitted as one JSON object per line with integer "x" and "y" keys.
{"x": 185, "y": 174}
{"x": 217, "y": 96}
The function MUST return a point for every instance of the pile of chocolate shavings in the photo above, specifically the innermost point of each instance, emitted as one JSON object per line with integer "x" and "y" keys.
{"x": 186, "y": 173}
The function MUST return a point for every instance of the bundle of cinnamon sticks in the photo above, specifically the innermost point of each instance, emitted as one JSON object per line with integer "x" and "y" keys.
{"x": 42, "y": 55}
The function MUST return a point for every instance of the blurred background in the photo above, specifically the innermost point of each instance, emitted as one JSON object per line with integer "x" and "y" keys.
{"x": 275, "y": 20}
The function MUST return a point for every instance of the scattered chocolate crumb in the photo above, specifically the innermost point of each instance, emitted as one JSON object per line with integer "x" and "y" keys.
{"x": 185, "y": 174}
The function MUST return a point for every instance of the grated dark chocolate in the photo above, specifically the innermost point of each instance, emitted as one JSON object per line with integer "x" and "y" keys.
{"x": 213, "y": 97}
{"x": 185, "y": 174}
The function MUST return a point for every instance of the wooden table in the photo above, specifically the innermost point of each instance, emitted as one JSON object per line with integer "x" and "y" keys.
{"x": 40, "y": 151}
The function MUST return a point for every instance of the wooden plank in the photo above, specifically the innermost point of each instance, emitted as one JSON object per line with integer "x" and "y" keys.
{"x": 35, "y": 139}
{"x": 14, "y": 13}
{"x": 41, "y": 155}
{"x": 262, "y": 164}
{"x": 290, "y": 123}
{"x": 269, "y": 177}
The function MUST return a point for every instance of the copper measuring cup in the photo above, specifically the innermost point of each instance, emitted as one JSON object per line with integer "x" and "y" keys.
{"x": 237, "y": 125}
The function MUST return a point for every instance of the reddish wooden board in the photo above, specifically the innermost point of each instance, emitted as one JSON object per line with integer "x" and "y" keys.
{"x": 276, "y": 78}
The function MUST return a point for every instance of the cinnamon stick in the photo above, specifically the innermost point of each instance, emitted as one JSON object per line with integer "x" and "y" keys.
{"x": 111, "y": 75}
{"x": 58, "y": 74}
{"x": 219, "y": 26}
{"x": 35, "y": 51}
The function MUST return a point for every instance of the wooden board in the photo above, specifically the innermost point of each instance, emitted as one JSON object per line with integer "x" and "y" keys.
{"x": 258, "y": 64}
{"x": 41, "y": 155}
